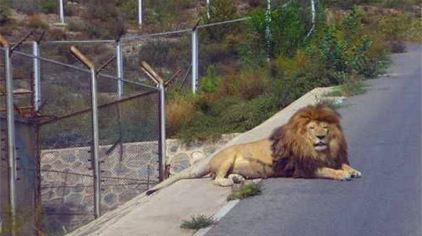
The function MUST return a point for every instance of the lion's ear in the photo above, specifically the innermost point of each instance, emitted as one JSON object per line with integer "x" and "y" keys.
{"x": 277, "y": 133}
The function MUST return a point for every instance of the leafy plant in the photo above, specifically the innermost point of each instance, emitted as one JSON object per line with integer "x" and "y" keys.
{"x": 245, "y": 191}
{"x": 197, "y": 222}
{"x": 210, "y": 82}
{"x": 49, "y": 6}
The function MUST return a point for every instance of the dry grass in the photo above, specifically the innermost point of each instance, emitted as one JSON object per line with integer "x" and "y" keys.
{"x": 180, "y": 111}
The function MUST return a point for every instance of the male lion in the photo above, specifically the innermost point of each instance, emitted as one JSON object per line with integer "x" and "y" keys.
{"x": 310, "y": 145}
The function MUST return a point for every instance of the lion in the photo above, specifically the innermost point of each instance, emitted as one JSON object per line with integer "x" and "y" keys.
{"x": 310, "y": 145}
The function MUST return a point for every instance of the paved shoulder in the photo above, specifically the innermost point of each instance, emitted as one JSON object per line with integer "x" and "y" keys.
{"x": 383, "y": 129}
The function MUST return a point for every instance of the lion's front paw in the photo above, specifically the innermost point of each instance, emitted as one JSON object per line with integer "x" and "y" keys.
{"x": 236, "y": 178}
{"x": 224, "y": 182}
{"x": 355, "y": 173}
{"x": 342, "y": 175}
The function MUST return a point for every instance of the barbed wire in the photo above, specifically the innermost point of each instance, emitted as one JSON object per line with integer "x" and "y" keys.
{"x": 82, "y": 69}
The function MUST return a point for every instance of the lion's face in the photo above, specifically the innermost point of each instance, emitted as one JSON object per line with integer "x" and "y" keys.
{"x": 317, "y": 134}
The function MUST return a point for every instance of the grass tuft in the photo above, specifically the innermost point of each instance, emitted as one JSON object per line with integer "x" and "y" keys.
{"x": 198, "y": 222}
{"x": 245, "y": 191}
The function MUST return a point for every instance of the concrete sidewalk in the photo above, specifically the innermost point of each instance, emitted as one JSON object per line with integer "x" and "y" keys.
{"x": 163, "y": 212}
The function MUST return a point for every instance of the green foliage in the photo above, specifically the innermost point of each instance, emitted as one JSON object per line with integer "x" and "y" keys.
{"x": 395, "y": 27}
{"x": 164, "y": 14}
{"x": 245, "y": 191}
{"x": 129, "y": 7}
{"x": 280, "y": 32}
{"x": 209, "y": 83}
{"x": 4, "y": 11}
{"x": 198, "y": 222}
{"x": 49, "y": 6}
{"x": 219, "y": 10}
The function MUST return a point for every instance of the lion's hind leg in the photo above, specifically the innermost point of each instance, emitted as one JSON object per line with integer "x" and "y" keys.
{"x": 222, "y": 172}
{"x": 353, "y": 172}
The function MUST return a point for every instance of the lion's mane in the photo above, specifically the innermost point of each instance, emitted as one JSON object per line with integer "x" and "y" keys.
{"x": 293, "y": 156}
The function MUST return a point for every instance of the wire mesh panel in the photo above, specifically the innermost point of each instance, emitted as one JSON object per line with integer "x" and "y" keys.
{"x": 128, "y": 143}
{"x": 65, "y": 141}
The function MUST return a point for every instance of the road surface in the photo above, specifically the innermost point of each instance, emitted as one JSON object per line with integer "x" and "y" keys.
{"x": 383, "y": 129}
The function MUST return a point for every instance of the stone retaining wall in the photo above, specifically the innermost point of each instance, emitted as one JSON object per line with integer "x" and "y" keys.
{"x": 67, "y": 184}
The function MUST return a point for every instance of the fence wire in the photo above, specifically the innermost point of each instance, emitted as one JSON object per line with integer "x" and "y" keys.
{"x": 62, "y": 132}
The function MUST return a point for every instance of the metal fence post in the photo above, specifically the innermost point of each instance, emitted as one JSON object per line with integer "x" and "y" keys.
{"x": 268, "y": 29}
{"x": 194, "y": 58}
{"x": 10, "y": 132}
{"x": 162, "y": 114}
{"x": 140, "y": 12}
{"x": 95, "y": 137}
{"x": 208, "y": 9}
{"x": 61, "y": 12}
{"x": 162, "y": 141}
{"x": 120, "y": 71}
{"x": 95, "y": 144}
{"x": 37, "y": 75}
{"x": 313, "y": 19}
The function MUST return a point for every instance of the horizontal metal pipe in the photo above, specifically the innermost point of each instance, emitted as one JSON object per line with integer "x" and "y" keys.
{"x": 79, "y": 41}
{"x": 100, "y": 106}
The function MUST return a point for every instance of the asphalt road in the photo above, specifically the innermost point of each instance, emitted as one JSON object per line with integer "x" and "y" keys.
{"x": 383, "y": 130}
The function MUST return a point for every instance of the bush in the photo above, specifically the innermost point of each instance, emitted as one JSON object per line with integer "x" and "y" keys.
{"x": 49, "y": 6}
{"x": 4, "y": 11}
{"x": 76, "y": 25}
{"x": 197, "y": 222}
{"x": 211, "y": 81}
{"x": 286, "y": 33}
{"x": 105, "y": 21}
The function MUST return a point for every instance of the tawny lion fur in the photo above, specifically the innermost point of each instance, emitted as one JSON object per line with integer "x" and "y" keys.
{"x": 310, "y": 145}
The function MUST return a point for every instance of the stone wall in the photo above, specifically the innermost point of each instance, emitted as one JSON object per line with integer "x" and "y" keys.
{"x": 128, "y": 170}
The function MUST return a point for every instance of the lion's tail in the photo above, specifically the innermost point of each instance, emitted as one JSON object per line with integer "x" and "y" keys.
{"x": 197, "y": 171}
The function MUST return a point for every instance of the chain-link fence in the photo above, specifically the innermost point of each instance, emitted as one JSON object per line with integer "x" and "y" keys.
{"x": 55, "y": 142}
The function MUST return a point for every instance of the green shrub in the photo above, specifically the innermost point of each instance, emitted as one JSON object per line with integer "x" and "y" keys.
{"x": 198, "y": 222}
{"x": 286, "y": 33}
{"x": 49, "y": 6}
{"x": 245, "y": 191}
{"x": 76, "y": 25}
{"x": 4, "y": 11}
{"x": 210, "y": 82}
{"x": 130, "y": 8}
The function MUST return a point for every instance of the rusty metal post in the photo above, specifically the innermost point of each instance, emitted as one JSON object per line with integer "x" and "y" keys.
{"x": 95, "y": 137}
{"x": 10, "y": 131}
{"x": 162, "y": 114}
